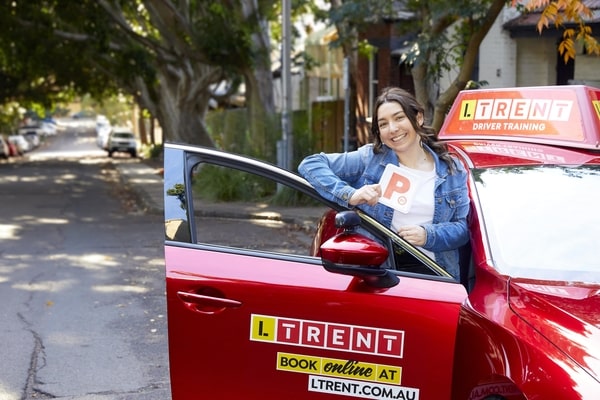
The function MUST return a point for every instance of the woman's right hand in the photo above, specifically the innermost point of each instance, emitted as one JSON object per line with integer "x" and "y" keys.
{"x": 368, "y": 194}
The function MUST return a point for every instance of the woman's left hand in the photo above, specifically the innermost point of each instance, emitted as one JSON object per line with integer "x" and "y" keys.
{"x": 413, "y": 234}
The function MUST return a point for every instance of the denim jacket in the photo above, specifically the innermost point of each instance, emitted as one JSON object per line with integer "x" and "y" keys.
{"x": 337, "y": 176}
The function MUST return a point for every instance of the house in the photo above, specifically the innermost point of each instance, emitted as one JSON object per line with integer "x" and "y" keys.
{"x": 514, "y": 53}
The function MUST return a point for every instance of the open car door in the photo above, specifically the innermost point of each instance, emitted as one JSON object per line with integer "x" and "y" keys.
{"x": 251, "y": 314}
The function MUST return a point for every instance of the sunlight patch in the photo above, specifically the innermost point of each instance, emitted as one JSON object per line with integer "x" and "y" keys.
{"x": 119, "y": 288}
{"x": 55, "y": 221}
{"x": 8, "y": 231}
{"x": 45, "y": 286}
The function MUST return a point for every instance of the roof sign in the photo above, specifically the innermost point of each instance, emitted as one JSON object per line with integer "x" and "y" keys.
{"x": 563, "y": 115}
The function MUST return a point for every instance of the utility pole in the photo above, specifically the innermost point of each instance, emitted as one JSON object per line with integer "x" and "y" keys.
{"x": 284, "y": 146}
{"x": 346, "y": 84}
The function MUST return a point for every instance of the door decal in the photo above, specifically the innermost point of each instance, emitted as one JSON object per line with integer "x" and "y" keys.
{"x": 327, "y": 335}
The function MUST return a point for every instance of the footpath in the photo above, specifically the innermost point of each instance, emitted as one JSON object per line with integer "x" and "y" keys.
{"x": 145, "y": 179}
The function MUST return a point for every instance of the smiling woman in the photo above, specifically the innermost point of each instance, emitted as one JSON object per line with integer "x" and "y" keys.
{"x": 431, "y": 203}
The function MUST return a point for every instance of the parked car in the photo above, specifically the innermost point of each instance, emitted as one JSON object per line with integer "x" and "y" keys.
{"x": 373, "y": 317}
{"x": 48, "y": 128}
{"x": 33, "y": 134}
{"x": 122, "y": 140}
{"x": 12, "y": 147}
{"x": 103, "y": 128}
{"x": 20, "y": 143}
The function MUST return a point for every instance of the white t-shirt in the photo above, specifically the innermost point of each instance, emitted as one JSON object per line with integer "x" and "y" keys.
{"x": 421, "y": 210}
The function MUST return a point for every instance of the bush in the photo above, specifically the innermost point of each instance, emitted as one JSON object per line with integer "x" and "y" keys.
{"x": 215, "y": 183}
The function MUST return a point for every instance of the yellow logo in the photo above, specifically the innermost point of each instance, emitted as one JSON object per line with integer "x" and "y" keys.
{"x": 596, "y": 104}
{"x": 263, "y": 328}
{"x": 467, "y": 110}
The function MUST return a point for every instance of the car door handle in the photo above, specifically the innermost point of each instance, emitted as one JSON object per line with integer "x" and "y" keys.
{"x": 208, "y": 301}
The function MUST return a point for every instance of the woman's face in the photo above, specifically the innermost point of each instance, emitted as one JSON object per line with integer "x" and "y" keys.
{"x": 395, "y": 129}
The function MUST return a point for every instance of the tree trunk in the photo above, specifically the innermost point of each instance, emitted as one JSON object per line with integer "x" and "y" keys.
{"x": 421, "y": 83}
{"x": 349, "y": 47}
{"x": 179, "y": 101}
{"x": 446, "y": 99}
{"x": 259, "y": 93}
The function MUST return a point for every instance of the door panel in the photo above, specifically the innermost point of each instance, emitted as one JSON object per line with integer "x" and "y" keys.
{"x": 254, "y": 321}
{"x": 211, "y": 348}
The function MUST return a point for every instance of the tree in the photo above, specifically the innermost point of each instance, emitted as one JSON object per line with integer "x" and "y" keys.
{"x": 351, "y": 18}
{"x": 460, "y": 29}
{"x": 449, "y": 36}
{"x": 167, "y": 55}
{"x": 560, "y": 13}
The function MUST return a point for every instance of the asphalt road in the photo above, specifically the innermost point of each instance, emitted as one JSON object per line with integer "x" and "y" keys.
{"x": 82, "y": 298}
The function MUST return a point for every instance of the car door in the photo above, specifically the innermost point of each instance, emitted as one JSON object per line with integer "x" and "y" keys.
{"x": 264, "y": 319}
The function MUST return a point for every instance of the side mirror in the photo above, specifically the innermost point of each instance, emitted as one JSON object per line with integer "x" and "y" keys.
{"x": 350, "y": 253}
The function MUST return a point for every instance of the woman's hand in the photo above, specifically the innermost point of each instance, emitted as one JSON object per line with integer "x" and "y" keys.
{"x": 368, "y": 194}
{"x": 413, "y": 234}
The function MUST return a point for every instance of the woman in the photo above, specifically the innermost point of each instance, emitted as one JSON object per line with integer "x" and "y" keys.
{"x": 435, "y": 216}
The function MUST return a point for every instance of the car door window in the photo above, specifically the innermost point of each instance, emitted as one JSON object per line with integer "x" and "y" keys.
{"x": 240, "y": 209}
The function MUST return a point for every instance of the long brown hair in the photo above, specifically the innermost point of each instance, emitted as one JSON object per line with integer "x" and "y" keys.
{"x": 411, "y": 108}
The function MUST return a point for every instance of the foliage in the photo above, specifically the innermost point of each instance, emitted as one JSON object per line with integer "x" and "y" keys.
{"x": 292, "y": 198}
{"x": 152, "y": 151}
{"x": 166, "y": 55}
{"x": 10, "y": 115}
{"x": 222, "y": 184}
{"x": 229, "y": 131}
{"x": 449, "y": 35}
{"x": 561, "y": 13}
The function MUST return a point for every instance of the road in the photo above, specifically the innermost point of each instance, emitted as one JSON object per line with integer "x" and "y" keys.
{"x": 81, "y": 280}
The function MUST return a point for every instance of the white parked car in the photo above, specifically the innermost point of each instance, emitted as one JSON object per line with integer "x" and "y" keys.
{"x": 32, "y": 133}
{"x": 20, "y": 143}
{"x": 103, "y": 129}
{"x": 122, "y": 140}
{"x": 47, "y": 128}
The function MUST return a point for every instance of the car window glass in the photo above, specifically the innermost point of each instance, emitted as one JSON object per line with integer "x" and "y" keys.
{"x": 542, "y": 221}
{"x": 238, "y": 209}
{"x": 406, "y": 262}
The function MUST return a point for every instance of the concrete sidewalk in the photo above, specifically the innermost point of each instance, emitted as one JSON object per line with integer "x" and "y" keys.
{"x": 147, "y": 182}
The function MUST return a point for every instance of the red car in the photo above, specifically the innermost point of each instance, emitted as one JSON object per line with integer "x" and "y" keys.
{"x": 341, "y": 315}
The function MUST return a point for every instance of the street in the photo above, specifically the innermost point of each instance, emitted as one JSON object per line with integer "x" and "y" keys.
{"x": 81, "y": 279}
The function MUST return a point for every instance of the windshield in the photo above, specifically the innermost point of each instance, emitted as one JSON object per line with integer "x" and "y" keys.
{"x": 543, "y": 222}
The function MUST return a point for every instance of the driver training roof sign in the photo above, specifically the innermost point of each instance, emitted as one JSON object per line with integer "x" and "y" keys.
{"x": 567, "y": 114}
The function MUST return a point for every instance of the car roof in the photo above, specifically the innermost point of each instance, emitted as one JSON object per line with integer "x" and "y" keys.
{"x": 496, "y": 153}
{"x": 565, "y": 116}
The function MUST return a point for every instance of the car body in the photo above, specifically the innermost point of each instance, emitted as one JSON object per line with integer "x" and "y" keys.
{"x": 20, "y": 143}
{"x": 33, "y": 134}
{"x": 13, "y": 150}
{"x": 122, "y": 140}
{"x": 103, "y": 129}
{"x": 48, "y": 128}
{"x": 367, "y": 315}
